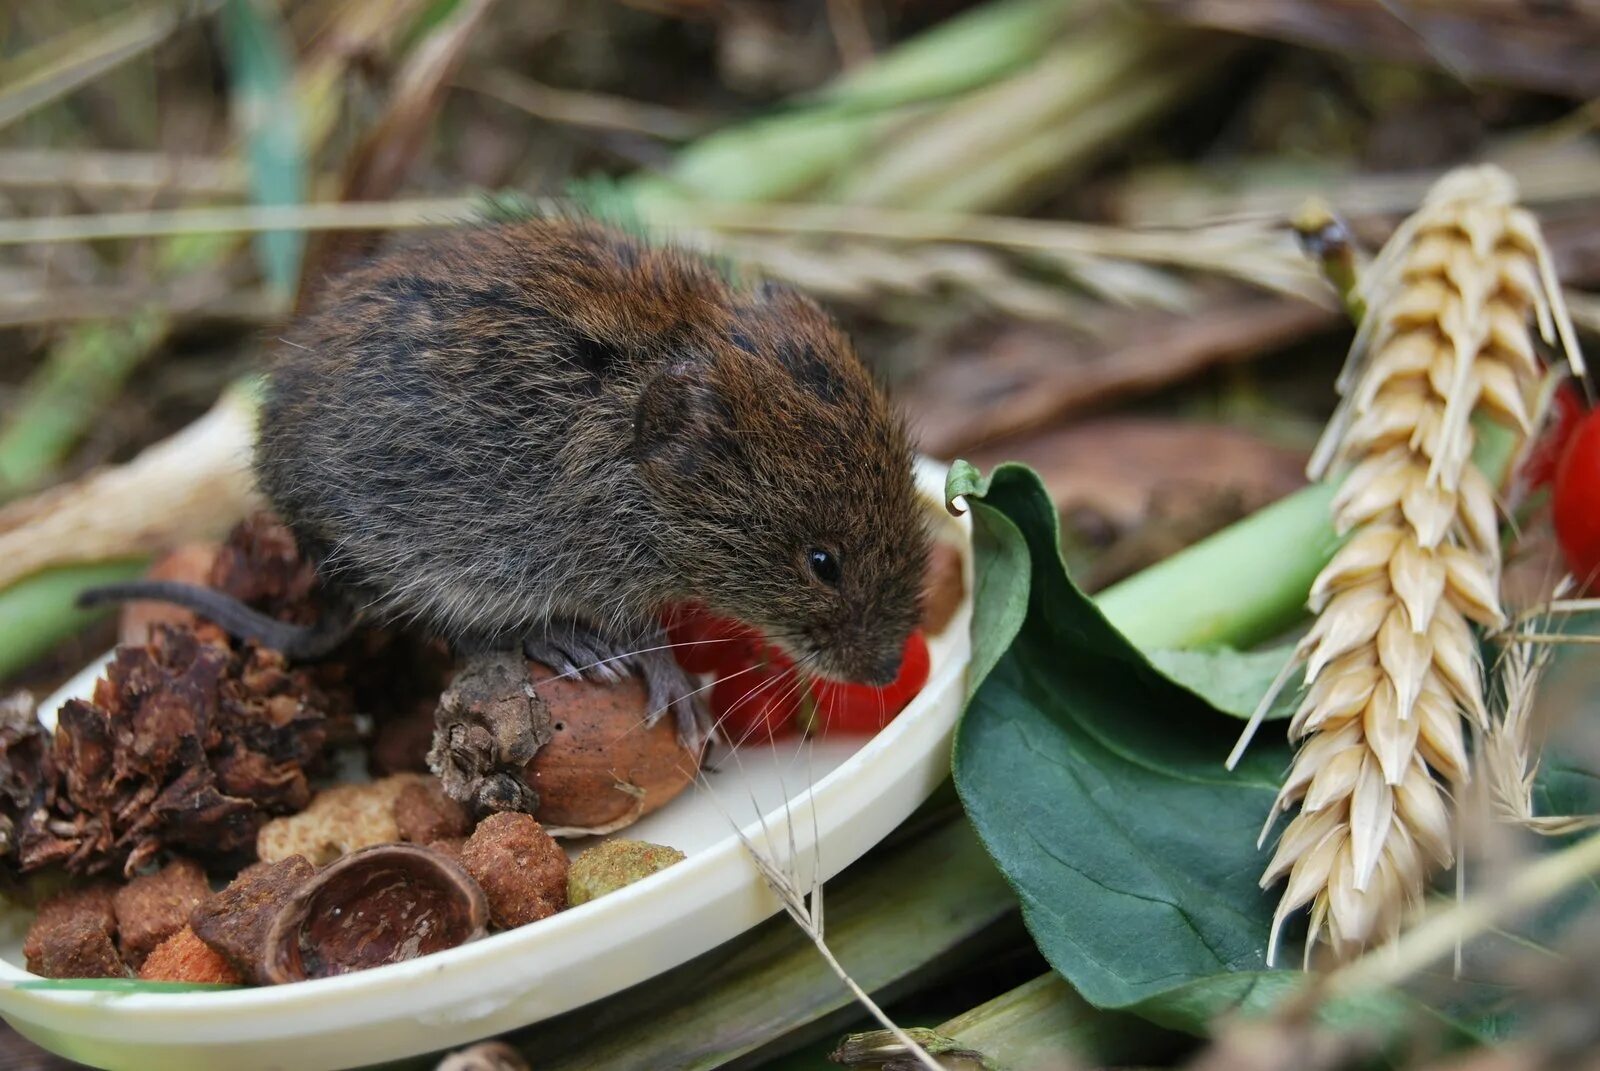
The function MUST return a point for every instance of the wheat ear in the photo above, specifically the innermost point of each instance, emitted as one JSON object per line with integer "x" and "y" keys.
{"x": 1392, "y": 667}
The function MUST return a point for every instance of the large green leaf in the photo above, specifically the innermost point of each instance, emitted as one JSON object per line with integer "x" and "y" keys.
{"x": 1233, "y": 681}
{"x": 1097, "y": 782}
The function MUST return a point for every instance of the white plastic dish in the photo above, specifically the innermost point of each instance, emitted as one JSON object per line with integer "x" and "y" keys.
{"x": 814, "y": 805}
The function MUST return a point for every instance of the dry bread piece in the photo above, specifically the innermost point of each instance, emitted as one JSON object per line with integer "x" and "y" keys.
{"x": 340, "y": 820}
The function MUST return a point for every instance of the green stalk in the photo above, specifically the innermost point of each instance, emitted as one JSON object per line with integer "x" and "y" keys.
{"x": 783, "y": 156}
{"x": 1044, "y": 1025}
{"x": 39, "y": 612}
{"x": 1237, "y": 588}
{"x": 79, "y": 377}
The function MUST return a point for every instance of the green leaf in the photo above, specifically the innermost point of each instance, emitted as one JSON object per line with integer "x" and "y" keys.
{"x": 1097, "y": 783}
{"x": 1000, "y": 576}
{"x": 1233, "y": 682}
{"x": 261, "y": 69}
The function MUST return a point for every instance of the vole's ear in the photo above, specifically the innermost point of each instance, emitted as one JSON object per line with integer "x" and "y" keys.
{"x": 679, "y": 421}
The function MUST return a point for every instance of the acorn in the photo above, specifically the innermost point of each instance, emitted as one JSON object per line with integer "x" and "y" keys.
{"x": 383, "y": 904}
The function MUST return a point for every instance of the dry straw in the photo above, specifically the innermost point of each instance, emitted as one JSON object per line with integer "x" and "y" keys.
{"x": 1392, "y": 665}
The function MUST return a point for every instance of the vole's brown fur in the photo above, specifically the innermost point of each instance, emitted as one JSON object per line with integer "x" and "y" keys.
{"x": 548, "y": 431}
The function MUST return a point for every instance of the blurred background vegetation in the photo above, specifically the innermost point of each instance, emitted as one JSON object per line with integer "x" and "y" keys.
{"x": 1058, "y": 228}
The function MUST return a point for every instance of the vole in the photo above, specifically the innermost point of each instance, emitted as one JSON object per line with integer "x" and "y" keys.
{"x": 545, "y": 432}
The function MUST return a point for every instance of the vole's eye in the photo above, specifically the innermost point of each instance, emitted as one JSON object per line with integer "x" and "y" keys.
{"x": 824, "y": 566}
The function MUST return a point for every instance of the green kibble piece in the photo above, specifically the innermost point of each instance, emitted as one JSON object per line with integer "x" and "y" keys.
{"x": 608, "y": 867}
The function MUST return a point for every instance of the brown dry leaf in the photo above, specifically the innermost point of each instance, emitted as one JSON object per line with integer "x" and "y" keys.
{"x": 1535, "y": 46}
{"x": 1029, "y": 376}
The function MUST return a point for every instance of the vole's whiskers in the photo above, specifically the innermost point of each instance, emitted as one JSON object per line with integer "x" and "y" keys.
{"x": 578, "y": 671}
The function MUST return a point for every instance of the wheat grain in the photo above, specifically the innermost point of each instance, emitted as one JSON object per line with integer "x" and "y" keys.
{"x": 1392, "y": 667}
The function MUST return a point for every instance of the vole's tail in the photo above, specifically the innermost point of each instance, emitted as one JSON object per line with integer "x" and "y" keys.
{"x": 237, "y": 619}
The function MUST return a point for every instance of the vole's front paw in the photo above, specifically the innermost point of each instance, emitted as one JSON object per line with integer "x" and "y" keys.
{"x": 572, "y": 650}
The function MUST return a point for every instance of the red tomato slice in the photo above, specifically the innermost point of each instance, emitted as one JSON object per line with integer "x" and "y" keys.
{"x": 1566, "y": 413}
{"x": 861, "y": 708}
{"x": 759, "y": 705}
{"x": 1576, "y": 502}
{"x": 704, "y": 642}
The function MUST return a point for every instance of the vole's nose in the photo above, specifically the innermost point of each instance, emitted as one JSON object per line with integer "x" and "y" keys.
{"x": 887, "y": 671}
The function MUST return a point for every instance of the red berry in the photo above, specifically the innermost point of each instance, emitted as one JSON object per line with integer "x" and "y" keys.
{"x": 759, "y": 704}
{"x": 704, "y": 642}
{"x": 1576, "y": 504}
{"x": 861, "y": 708}
{"x": 1566, "y": 413}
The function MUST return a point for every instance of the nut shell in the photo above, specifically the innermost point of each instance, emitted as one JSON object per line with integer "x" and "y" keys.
{"x": 383, "y": 904}
{"x": 602, "y": 768}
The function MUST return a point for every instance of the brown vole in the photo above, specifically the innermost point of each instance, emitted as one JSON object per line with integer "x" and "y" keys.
{"x": 548, "y": 431}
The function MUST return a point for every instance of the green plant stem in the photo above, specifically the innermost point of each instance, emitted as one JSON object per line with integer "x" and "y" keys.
{"x": 783, "y": 156}
{"x": 39, "y": 612}
{"x": 1044, "y": 1025}
{"x": 80, "y": 375}
{"x": 1241, "y": 586}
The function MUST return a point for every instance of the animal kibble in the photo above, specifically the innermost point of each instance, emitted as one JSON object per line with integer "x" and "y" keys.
{"x": 183, "y": 957}
{"x": 62, "y": 936}
{"x": 609, "y": 866}
{"x": 235, "y": 921}
{"x": 522, "y": 869}
{"x": 77, "y": 948}
{"x": 424, "y": 814}
{"x": 153, "y": 907}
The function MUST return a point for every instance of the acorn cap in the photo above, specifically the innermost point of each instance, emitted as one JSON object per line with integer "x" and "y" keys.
{"x": 383, "y": 904}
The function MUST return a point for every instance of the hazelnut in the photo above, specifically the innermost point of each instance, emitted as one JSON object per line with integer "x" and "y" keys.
{"x": 602, "y": 769}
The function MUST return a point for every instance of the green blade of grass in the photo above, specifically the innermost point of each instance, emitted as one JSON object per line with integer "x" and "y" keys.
{"x": 80, "y": 375}
{"x": 39, "y": 612}
{"x": 261, "y": 73}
